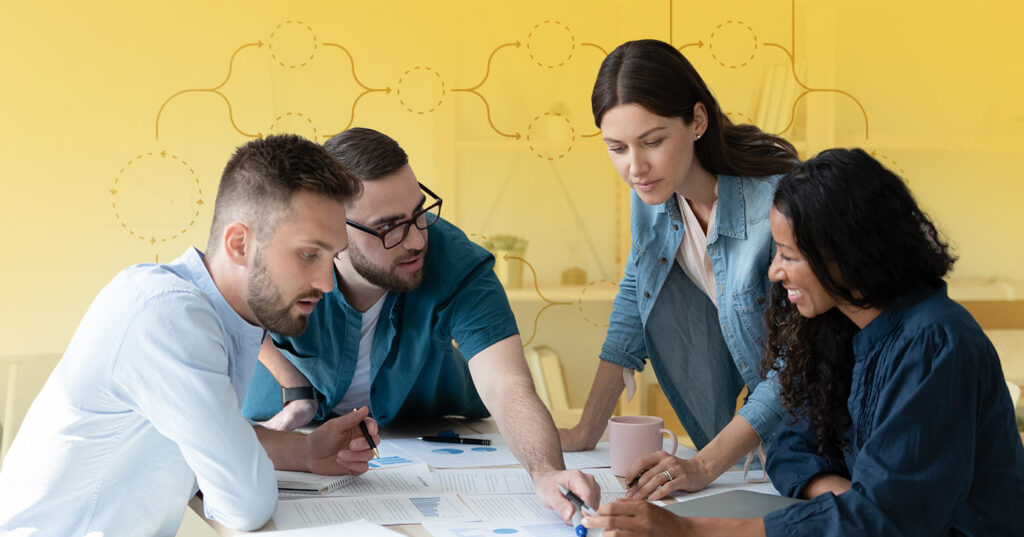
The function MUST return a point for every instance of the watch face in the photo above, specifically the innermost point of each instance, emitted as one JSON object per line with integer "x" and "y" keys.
{"x": 293, "y": 394}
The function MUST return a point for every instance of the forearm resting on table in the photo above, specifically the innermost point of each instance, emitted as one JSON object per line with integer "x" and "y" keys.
{"x": 285, "y": 372}
{"x": 724, "y": 527}
{"x": 736, "y": 440}
{"x": 506, "y": 388}
{"x": 604, "y": 393}
{"x": 287, "y": 450}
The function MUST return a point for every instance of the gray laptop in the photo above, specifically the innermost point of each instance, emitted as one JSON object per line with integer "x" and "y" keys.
{"x": 732, "y": 504}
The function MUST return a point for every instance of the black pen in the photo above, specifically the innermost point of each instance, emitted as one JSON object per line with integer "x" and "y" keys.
{"x": 632, "y": 483}
{"x": 453, "y": 440}
{"x": 366, "y": 434}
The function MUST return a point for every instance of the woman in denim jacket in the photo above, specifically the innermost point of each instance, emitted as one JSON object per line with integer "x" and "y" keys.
{"x": 693, "y": 295}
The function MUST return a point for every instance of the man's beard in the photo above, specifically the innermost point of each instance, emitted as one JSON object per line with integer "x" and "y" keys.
{"x": 389, "y": 280}
{"x": 271, "y": 310}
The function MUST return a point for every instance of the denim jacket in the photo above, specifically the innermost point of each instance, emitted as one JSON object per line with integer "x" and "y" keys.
{"x": 702, "y": 355}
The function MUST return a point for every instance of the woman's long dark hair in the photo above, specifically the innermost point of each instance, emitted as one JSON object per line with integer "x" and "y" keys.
{"x": 656, "y": 76}
{"x": 867, "y": 242}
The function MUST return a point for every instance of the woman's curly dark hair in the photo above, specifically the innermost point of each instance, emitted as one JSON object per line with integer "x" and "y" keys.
{"x": 867, "y": 242}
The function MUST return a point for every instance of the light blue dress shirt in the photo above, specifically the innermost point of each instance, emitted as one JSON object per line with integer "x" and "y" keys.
{"x": 142, "y": 409}
{"x": 702, "y": 355}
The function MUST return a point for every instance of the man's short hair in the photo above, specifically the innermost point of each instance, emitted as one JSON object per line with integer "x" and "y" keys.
{"x": 263, "y": 175}
{"x": 366, "y": 153}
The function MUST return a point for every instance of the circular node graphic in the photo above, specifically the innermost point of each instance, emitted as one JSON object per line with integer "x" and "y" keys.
{"x": 485, "y": 449}
{"x": 550, "y": 44}
{"x": 421, "y": 90}
{"x": 156, "y": 197}
{"x": 293, "y": 44}
{"x": 733, "y": 44}
{"x": 295, "y": 122}
{"x": 447, "y": 450}
{"x": 550, "y": 130}
{"x": 597, "y": 310}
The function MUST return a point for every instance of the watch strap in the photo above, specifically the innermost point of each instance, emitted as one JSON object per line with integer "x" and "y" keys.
{"x": 294, "y": 394}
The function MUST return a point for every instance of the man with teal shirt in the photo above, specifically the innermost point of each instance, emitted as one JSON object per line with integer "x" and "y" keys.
{"x": 409, "y": 330}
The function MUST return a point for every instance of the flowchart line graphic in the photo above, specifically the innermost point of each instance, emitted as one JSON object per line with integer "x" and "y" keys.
{"x": 489, "y": 120}
{"x": 487, "y": 73}
{"x": 215, "y": 89}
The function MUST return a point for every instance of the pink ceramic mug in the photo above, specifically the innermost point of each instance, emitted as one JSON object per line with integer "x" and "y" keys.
{"x": 633, "y": 437}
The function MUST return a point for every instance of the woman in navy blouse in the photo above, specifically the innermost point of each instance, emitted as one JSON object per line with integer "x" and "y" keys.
{"x": 900, "y": 422}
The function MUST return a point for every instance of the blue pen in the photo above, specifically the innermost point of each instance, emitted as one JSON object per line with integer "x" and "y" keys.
{"x": 579, "y": 507}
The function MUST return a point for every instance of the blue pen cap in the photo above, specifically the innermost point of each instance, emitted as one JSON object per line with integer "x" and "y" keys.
{"x": 581, "y": 531}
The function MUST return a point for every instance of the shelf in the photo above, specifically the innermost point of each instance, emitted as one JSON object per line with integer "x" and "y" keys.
{"x": 597, "y": 292}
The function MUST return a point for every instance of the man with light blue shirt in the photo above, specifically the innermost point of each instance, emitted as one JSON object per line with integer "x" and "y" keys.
{"x": 143, "y": 409}
{"x": 409, "y": 285}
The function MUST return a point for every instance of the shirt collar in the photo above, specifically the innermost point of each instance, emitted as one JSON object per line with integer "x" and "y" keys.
{"x": 192, "y": 260}
{"x": 731, "y": 214}
{"x": 879, "y": 329}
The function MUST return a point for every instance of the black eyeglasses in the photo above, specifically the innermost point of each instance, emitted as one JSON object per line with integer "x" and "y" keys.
{"x": 423, "y": 219}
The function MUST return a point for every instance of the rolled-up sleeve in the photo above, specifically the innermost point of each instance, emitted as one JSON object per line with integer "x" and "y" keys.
{"x": 763, "y": 409}
{"x": 481, "y": 314}
{"x": 915, "y": 467}
{"x": 185, "y": 392}
{"x": 624, "y": 343}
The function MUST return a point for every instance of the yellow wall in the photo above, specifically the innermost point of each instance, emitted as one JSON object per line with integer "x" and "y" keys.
{"x": 939, "y": 82}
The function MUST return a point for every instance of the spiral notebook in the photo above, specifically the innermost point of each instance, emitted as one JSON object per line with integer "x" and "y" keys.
{"x": 307, "y": 483}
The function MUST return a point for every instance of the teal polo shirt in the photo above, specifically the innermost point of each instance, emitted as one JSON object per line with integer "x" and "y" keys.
{"x": 415, "y": 369}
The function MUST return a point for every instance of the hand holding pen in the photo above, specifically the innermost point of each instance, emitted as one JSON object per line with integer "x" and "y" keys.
{"x": 579, "y": 509}
{"x": 340, "y": 446}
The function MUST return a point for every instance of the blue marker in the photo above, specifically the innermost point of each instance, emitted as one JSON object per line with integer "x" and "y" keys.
{"x": 579, "y": 507}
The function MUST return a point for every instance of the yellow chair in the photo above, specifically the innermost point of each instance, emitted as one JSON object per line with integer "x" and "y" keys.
{"x": 549, "y": 380}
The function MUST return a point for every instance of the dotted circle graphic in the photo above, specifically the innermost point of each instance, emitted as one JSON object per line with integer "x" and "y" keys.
{"x": 444, "y": 90}
{"x": 153, "y": 239}
{"x": 579, "y": 303}
{"x": 572, "y": 44}
{"x": 296, "y": 114}
{"x": 739, "y": 118}
{"x": 530, "y": 136}
{"x": 711, "y": 44}
{"x": 302, "y": 63}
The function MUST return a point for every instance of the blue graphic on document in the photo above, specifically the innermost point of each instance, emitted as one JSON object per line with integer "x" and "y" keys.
{"x": 388, "y": 461}
{"x": 485, "y": 449}
{"x": 427, "y": 506}
{"x": 448, "y": 450}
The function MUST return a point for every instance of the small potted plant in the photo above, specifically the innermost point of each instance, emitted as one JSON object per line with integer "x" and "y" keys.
{"x": 505, "y": 249}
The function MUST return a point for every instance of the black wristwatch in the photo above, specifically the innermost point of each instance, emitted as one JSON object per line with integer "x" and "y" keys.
{"x": 294, "y": 394}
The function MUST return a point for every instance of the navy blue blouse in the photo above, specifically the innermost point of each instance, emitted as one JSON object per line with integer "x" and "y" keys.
{"x": 933, "y": 448}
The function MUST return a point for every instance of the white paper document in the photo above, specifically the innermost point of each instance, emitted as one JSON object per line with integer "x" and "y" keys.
{"x": 507, "y": 528}
{"x": 413, "y": 479}
{"x": 507, "y": 481}
{"x": 726, "y": 482}
{"x": 526, "y": 508}
{"x": 443, "y": 455}
{"x": 308, "y": 512}
{"x": 600, "y": 456}
{"x": 361, "y": 528}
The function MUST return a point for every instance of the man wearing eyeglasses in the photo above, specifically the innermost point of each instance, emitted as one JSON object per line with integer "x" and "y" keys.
{"x": 417, "y": 325}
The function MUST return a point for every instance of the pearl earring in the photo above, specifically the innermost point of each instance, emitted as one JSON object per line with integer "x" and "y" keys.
{"x": 698, "y": 136}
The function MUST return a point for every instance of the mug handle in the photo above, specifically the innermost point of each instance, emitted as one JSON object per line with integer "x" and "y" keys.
{"x": 675, "y": 441}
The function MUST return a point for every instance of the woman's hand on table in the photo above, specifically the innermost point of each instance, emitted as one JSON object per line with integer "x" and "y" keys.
{"x": 635, "y": 518}
{"x": 654, "y": 483}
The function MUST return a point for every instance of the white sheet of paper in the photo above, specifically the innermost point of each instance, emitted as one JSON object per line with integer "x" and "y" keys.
{"x": 441, "y": 455}
{"x": 526, "y": 508}
{"x": 511, "y": 528}
{"x": 507, "y": 481}
{"x": 307, "y": 512}
{"x": 361, "y": 528}
{"x": 728, "y": 481}
{"x": 600, "y": 456}
{"x": 413, "y": 479}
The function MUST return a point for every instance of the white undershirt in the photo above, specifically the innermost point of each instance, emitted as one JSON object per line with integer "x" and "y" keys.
{"x": 692, "y": 255}
{"x": 358, "y": 394}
